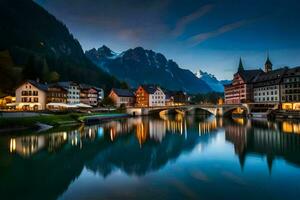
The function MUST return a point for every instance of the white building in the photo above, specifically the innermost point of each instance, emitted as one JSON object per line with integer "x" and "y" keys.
{"x": 31, "y": 95}
{"x": 157, "y": 98}
{"x": 73, "y": 96}
{"x": 266, "y": 86}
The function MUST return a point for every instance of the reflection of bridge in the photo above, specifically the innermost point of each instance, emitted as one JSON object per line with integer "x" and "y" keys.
{"x": 216, "y": 110}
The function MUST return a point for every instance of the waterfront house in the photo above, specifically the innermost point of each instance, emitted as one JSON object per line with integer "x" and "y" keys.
{"x": 57, "y": 94}
{"x": 73, "y": 95}
{"x": 31, "y": 95}
{"x": 290, "y": 89}
{"x": 150, "y": 96}
{"x": 7, "y": 102}
{"x": 266, "y": 86}
{"x": 88, "y": 95}
{"x": 100, "y": 94}
{"x": 122, "y": 97}
{"x": 240, "y": 90}
{"x": 175, "y": 98}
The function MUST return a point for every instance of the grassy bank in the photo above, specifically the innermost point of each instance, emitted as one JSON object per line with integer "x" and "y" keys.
{"x": 52, "y": 119}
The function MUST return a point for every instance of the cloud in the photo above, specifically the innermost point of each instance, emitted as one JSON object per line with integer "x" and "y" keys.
{"x": 201, "y": 37}
{"x": 184, "y": 21}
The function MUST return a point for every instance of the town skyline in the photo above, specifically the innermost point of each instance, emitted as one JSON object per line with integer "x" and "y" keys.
{"x": 210, "y": 35}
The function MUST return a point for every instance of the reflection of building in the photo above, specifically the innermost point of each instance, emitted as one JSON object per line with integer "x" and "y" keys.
{"x": 122, "y": 97}
{"x": 31, "y": 95}
{"x": 27, "y": 145}
{"x": 264, "y": 141}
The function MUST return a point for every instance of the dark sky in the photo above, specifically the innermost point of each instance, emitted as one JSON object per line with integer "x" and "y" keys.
{"x": 209, "y": 34}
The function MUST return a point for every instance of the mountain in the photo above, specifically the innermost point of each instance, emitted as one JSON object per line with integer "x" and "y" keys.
{"x": 139, "y": 66}
{"x": 43, "y": 46}
{"x": 212, "y": 81}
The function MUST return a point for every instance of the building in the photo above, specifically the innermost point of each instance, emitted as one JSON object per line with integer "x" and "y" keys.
{"x": 73, "y": 95}
{"x": 175, "y": 98}
{"x": 150, "y": 96}
{"x": 57, "y": 94}
{"x": 31, "y": 95}
{"x": 100, "y": 94}
{"x": 240, "y": 90}
{"x": 7, "y": 102}
{"x": 290, "y": 89}
{"x": 88, "y": 95}
{"x": 122, "y": 97}
{"x": 266, "y": 86}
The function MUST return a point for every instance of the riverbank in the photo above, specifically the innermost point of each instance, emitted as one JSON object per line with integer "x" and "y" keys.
{"x": 53, "y": 120}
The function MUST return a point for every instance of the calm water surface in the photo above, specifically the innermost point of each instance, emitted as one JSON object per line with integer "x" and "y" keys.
{"x": 166, "y": 157}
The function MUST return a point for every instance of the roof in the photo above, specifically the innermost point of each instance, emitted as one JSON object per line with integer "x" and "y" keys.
{"x": 150, "y": 89}
{"x": 249, "y": 75}
{"x": 65, "y": 84}
{"x": 292, "y": 72}
{"x": 38, "y": 85}
{"x": 123, "y": 92}
{"x": 268, "y": 62}
{"x": 269, "y": 78}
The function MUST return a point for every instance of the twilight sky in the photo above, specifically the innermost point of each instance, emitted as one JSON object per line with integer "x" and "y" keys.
{"x": 206, "y": 34}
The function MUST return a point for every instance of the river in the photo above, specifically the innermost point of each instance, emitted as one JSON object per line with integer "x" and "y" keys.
{"x": 162, "y": 157}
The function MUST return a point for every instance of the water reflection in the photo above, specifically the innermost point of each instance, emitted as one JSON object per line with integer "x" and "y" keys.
{"x": 265, "y": 138}
{"x": 36, "y": 162}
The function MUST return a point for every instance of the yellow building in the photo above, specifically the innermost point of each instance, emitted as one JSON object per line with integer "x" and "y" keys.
{"x": 7, "y": 102}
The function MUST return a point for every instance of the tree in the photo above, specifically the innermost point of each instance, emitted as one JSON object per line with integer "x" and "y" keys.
{"x": 107, "y": 101}
{"x": 124, "y": 85}
{"x": 53, "y": 77}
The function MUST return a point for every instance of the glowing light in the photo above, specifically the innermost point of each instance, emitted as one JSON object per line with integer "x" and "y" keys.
{"x": 12, "y": 145}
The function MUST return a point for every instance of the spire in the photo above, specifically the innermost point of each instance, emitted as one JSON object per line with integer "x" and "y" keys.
{"x": 241, "y": 67}
{"x": 268, "y": 64}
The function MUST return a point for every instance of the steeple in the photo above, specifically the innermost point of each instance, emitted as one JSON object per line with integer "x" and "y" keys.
{"x": 268, "y": 64}
{"x": 241, "y": 67}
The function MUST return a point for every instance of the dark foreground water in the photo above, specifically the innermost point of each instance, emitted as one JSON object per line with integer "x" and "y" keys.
{"x": 163, "y": 157}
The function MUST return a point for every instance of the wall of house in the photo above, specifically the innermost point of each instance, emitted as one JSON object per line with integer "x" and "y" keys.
{"x": 267, "y": 94}
{"x": 157, "y": 99}
{"x": 142, "y": 97}
{"x": 73, "y": 94}
{"x": 30, "y": 101}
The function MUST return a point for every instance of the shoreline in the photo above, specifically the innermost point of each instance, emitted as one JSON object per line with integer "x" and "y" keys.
{"x": 46, "y": 122}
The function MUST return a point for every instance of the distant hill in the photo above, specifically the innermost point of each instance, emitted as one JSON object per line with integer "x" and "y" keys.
{"x": 43, "y": 47}
{"x": 140, "y": 66}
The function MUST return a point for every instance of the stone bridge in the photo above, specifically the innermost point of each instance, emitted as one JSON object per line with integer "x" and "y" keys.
{"x": 216, "y": 110}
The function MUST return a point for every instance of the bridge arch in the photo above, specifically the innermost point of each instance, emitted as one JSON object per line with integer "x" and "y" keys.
{"x": 228, "y": 109}
{"x": 211, "y": 110}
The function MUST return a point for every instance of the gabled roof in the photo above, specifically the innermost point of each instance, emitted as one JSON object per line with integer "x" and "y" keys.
{"x": 150, "y": 89}
{"x": 123, "y": 92}
{"x": 38, "y": 85}
{"x": 269, "y": 78}
{"x": 65, "y": 84}
{"x": 249, "y": 75}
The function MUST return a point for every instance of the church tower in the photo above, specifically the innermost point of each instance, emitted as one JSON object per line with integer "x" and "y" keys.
{"x": 268, "y": 65}
{"x": 241, "y": 67}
